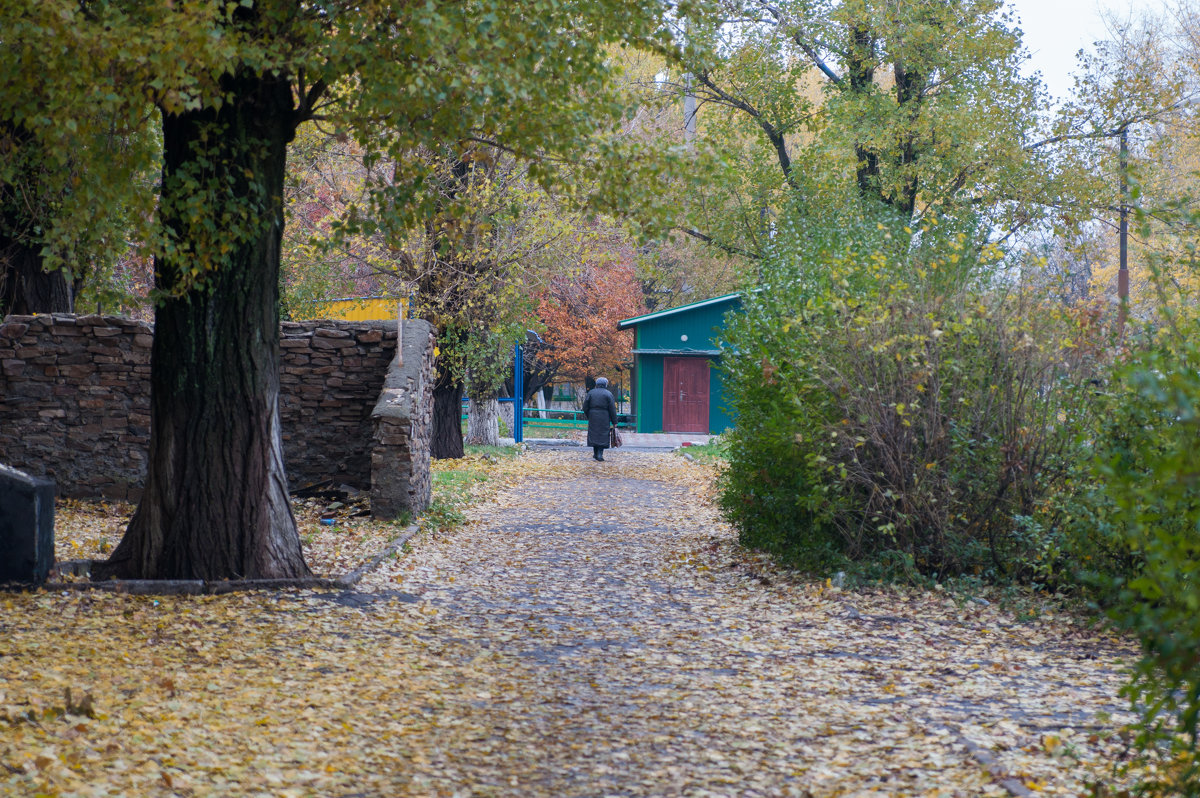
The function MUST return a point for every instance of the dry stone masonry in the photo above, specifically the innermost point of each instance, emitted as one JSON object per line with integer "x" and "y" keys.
{"x": 400, "y": 478}
{"x": 330, "y": 376}
{"x": 75, "y": 404}
{"x": 75, "y": 401}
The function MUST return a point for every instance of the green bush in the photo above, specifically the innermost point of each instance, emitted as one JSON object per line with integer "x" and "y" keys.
{"x": 900, "y": 406}
{"x": 772, "y": 488}
{"x": 905, "y": 410}
{"x": 1146, "y": 520}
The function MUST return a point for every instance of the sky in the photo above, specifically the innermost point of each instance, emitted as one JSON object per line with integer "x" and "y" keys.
{"x": 1054, "y": 30}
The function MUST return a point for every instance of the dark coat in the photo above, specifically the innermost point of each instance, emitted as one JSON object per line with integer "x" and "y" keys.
{"x": 601, "y": 411}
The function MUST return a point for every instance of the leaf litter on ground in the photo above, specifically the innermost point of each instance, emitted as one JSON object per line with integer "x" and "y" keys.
{"x": 593, "y": 628}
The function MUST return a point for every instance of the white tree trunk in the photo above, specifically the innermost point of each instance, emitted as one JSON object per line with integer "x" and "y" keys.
{"x": 540, "y": 397}
{"x": 483, "y": 422}
{"x": 508, "y": 412}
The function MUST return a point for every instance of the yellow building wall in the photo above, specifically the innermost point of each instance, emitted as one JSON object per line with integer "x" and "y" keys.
{"x": 367, "y": 309}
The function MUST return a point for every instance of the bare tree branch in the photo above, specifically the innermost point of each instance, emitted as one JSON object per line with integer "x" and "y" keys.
{"x": 1113, "y": 132}
{"x": 804, "y": 46}
{"x": 726, "y": 248}
{"x": 774, "y": 135}
{"x": 307, "y": 98}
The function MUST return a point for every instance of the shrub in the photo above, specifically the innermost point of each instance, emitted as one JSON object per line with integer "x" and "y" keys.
{"x": 1146, "y": 520}
{"x": 898, "y": 403}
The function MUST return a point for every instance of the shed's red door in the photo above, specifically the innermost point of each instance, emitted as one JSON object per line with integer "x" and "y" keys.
{"x": 685, "y": 394}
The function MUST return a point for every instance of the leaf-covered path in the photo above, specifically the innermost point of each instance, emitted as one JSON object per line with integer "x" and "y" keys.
{"x": 594, "y": 630}
{"x": 663, "y": 660}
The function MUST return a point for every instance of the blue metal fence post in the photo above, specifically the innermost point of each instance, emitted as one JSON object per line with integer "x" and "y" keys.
{"x": 518, "y": 395}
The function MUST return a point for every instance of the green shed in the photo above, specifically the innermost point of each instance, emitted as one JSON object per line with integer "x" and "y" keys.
{"x": 675, "y": 387}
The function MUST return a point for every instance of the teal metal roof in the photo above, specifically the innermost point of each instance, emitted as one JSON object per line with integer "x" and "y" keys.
{"x": 681, "y": 309}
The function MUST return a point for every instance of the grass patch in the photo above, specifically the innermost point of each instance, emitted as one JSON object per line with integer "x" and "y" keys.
{"x": 443, "y": 514}
{"x": 532, "y": 429}
{"x": 452, "y": 481}
{"x": 715, "y": 451}
{"x": 491, "y": 451}
{"x": 458, "y": 484}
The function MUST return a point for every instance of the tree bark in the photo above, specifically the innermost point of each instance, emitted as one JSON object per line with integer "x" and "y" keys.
{"x": 910, "y": 85}
{"x": 860, "y": 70}
{"x": 447, "y": 439}
{"x": 216, "y": 500}
{"x": 25, "y": 288}
{"x": 483, "y": 422}
{"x": 508, "y": 416}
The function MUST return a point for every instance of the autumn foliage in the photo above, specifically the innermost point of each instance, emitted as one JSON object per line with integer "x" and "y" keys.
{"x": 581, "y": 311}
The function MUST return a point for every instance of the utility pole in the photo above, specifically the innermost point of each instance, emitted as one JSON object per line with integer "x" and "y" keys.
{"x": 1123, "y": 270}
{"x": 689, "y": 112}
{"x": 689, "y": 99}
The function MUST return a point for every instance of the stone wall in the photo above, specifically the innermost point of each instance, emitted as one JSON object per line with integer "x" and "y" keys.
{"x": 403, "y": 428}
{"x": 330, "y": 377}
{"x": 75, "y": 401}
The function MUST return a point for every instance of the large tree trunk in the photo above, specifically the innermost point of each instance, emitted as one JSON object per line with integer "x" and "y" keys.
{"x": 508, "y": 416}
{"x": 483, "y": 422}
{"x": 447, "y": 442}
{"x": 216, "y": 500}
{"x": 25, "y": 288}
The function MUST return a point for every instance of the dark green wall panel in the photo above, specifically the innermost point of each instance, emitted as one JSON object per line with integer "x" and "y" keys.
{"x": 719, "y": 417}
{"x": 701, "y": 326}
{"x": 650, "y": 393}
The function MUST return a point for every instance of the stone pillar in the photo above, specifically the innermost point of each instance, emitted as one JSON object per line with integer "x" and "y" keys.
{"x": 26, "y": 527}
{"x": 403, "y": 418}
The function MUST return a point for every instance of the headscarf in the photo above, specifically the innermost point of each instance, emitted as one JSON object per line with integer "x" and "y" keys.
{"x": 601, "y": 382}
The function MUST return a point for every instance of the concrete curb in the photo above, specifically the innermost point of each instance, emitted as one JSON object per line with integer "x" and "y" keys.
{"x": 200, "y": 587}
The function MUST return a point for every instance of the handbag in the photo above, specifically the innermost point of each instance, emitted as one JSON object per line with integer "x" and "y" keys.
{"x": 614, "y": 437}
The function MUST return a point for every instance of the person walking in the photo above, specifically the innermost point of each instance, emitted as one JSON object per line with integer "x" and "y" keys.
{"x": 601, "y": 410}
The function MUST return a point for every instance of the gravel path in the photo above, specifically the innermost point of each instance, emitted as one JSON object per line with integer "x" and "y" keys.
{"x": 619, "y": 643}
{"x": 594, "y": 630}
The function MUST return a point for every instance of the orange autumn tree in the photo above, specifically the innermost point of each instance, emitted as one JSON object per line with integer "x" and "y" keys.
{"x": 580, "y": 311}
